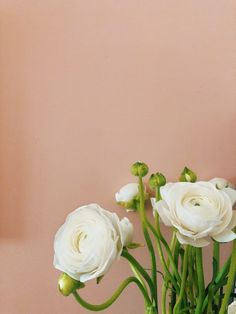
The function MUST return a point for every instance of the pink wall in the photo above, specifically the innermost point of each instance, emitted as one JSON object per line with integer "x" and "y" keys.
{"x": 86, "y": 88}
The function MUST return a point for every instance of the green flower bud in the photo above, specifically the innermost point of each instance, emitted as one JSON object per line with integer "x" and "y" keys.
{"x": 133, "y": 205}
{"x": 67, "y": 285}
{"x": 157, "y": 180}
{"x": 188, "y": 175}
{"x": 130, "y": 206}
{"x": 139, "y": 169}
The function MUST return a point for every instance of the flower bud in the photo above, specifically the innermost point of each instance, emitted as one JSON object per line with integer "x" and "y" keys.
{"x": 67, "y": 285}
{"x": 157, "y": 180}
{"x": 128, "y": 196}
{"x": 188, "y": 175}
{"x": 139, "y": 169}
{"x": 130, "y": 206}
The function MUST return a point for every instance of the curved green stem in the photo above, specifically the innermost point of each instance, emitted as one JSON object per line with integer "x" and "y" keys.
{"x": 109, "y": 302}
{"x": 139, "y": 268}
{"x": 223, "y": 272}
{"x": 172, "y": 245}
{"x": 200, "y": 279}
{"x": 148, "y": 239}
{"x": 183, "y": 283}
{"x": 159, "y": 237}
{"x": 165, "y": 285}
{"x": 191, "y": 283}
{"x": 153, "y": 260}
{"x": 176, "y": 262}
{"x": 164, "y": 293}
{"x": 210, "y": 300}
{"x": 168, "y": 275}
{"x": 230, "y": 282}
{"x": 216, "y": 255}
{"x": 138, "y": 276}
{"x": 219, "y": 281}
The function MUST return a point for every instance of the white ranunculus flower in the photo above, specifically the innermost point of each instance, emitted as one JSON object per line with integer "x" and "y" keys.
{"x": 199, "y": 211}
{"x": 226, "y": 186}
{"x": 127, "y": 193}
{"x": 89, "y": 241}
{"x": 232, "y": 308}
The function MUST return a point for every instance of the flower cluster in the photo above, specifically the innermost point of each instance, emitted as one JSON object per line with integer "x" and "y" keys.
{"x": 199, "y": 212}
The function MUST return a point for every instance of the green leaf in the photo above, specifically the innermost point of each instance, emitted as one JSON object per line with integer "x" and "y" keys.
{"x": 134, "y": 245}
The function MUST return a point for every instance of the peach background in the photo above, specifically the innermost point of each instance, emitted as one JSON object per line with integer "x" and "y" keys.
{"x": 87, "y": 88}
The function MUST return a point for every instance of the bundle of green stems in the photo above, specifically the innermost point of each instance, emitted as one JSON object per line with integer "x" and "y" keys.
{"x": 184, "y": 289}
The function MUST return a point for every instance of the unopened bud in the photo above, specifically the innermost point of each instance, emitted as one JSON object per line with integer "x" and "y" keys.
{"x": 157, "y": 180}
{"x": 139, "y": 169}
{"x": 67, "y": 285}
{"x": 188, "y": 175}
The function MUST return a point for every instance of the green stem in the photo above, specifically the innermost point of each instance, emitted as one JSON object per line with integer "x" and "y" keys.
{"x": 157, "y": 234}
{"x": 218, "y": 281}
{"x": 216, "y": 255}
{"x": 159, "y": 237}
{"x": 138, "y": 276}
{"x": 161, "y": 256}
{"x": 165, "y": 285}
{"x": 168, "y": 275}
{"x": 164, "y": 293}
{"x": 216, "y": 268}
{"x": 183, "y": 283}
{"x": 200, "y": 279}
{"x": 148, "y": 240}
{"x": 109, "y": 302}
{"x": 172, "y": 245}
{"x": 176, "y": 262}
{"x": 210, "y": 299}
{"x": 139, "y": 268}
{"x": 194, "y": 275}
{"x": 191, "y": 279}
{"x": 223, "y": 272}
{"x": 230, "y": 282}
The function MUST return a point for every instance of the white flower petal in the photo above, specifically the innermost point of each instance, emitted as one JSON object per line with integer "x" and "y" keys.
{"x": 197, "y": 243}
{"x": 104, "y": 267}
{"x": 127, "y": 230}
{"x": 232, "y": 308}
{"x": 165, "y": 189}
{"x": 162, "y": 208}
{"x": 231, "y": 193}
{"x": 232, "y": 223}
{"x": 222, "y": 183}
{"x": 127, "y": 193}
{"x": 225, "y": 236}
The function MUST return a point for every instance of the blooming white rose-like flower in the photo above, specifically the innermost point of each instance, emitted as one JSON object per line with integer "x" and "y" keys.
{"x": 226, "y": 186}
{"x": 232, "y": 308}
{"x": 89, "y": 241}
{"x": 127, "y": 193}
{"x": 199, "y": 211}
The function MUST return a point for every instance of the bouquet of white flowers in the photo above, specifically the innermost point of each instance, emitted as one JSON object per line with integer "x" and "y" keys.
{"x": 198, "y": 212}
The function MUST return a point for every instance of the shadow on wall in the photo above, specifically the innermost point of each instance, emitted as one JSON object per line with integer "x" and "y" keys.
{"x": 13, "y": 137}
{"x": 13, "y": 176}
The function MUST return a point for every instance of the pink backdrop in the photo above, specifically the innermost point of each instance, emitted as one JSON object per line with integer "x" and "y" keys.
{"x": 87, "y": 88}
